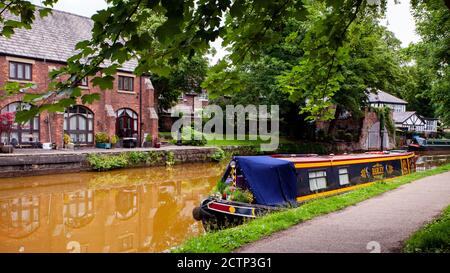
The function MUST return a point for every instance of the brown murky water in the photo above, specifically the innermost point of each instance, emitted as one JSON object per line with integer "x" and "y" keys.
{"x": 137, "y": 210}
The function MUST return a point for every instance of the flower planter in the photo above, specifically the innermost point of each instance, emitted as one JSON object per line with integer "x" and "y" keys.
{"x": 148, "y": 144}
{"x": 103, "y": 145}
{"x": 7, "y": 149}
{"x": 70, "y": 146}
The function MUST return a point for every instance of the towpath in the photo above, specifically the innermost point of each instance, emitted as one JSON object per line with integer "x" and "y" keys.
{"x": 379, "y": 224}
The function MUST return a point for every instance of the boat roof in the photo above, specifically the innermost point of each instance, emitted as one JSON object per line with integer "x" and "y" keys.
{"x": 312, "y": 158}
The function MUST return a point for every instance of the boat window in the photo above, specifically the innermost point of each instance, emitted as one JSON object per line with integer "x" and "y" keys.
{"x": 343, "y": 176}
{"x": 317, "y": 180}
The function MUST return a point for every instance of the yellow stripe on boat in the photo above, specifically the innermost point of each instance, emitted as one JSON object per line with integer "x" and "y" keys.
{"x": 349, "y": 162}
{"x": 332, "y": 192}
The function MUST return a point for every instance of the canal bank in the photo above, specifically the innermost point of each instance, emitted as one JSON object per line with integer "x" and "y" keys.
{"x": 40, "y": 162}
{"x": 30, "y": 162}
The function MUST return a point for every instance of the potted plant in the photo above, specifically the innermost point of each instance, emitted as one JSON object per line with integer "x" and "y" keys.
{"x": 68, "y": 144}
{"x": 102, "y": 140}
{"x": 114, "y": 140}
{"x": 148, "y": 140}
{"x": 156, "y": 142}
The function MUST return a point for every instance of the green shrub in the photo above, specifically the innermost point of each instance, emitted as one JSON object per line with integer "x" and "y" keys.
{"x": 218, "y": 155}
{"x": 136, "y": 158}
{"x": 192, "y": 137}
{"x": 67, "y": 139}
{"x": 107, "y": 162}
{"x": 219, "y": 187}
{"x": 101, "y": 137}
{"x": 149, "y": 138}
{"x": 170, "y": 159}
{"x": 114, "y": 139}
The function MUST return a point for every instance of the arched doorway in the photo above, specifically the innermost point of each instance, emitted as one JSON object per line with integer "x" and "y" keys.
{"x": 126, "y": 123}
{"x": 79, "y": 124}
{"x": 22, "y": 134}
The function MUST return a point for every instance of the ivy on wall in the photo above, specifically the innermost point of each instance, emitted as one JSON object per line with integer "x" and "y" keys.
{"x": 384, "y": 116}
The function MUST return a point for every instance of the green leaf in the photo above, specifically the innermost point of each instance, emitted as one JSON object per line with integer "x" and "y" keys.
{"x": 90, "y": 98}
{"x": 45, "y": 12}
{"x": 31, "y": 97}
{"x": 82, "y": 44}
{"x": 26, "y": 115}
{"x": 104, "y": 82}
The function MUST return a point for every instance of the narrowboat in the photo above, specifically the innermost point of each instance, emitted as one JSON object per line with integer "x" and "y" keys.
{"x": 256, "y": 185}
{"x": 431, "y": 144}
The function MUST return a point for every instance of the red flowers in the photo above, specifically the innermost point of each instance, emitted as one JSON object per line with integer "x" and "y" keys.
{"x": 6, "y": 122}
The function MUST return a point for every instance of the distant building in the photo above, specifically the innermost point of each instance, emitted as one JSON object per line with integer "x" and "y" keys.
{"x": 404, "y": 120}
{"x": 382, "y": 99}
{"x": 188, "y": 103}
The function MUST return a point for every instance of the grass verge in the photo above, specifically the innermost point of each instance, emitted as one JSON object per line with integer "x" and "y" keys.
{"x": 229, "y": 239}
{"x": 433, "y": 238}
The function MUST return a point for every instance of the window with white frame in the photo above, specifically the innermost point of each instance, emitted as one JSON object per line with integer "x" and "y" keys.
{"x": 317, "y": 180}
{"x": 20, "y": 71}
{"x": 126, "y": 83}
{"x": 343, "y": 176}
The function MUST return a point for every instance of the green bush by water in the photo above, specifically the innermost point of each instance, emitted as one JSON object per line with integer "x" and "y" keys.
{"x": 123, "y": 160}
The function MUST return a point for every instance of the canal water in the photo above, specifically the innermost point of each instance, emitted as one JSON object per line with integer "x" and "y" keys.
{"x": 134, "y": 210}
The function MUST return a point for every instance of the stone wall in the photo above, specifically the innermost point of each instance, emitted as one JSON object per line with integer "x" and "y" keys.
{"x": 17, "y": 165}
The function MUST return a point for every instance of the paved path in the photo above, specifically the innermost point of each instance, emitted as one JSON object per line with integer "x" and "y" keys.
{"x": 385, "y": 221}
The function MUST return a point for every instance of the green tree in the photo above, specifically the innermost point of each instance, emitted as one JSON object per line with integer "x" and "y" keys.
{"x": 416, "y": 83}
{"x": 185, "y": 77}
{"x": 343, "y": 76}
{"x": 432, "y": 53}
{"x": 188, "y": 27}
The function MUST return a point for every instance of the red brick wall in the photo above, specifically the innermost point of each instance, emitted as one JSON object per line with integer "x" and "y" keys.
{"x": 102, "y": 122}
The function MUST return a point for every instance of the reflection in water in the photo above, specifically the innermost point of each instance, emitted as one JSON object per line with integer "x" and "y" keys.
{"x": 78, "y": 208}
{"x": 126, "y": 203}
{"x": 427, "y": 161}
{"x": 137, "y": 210}
{"x": 19, "y": 217}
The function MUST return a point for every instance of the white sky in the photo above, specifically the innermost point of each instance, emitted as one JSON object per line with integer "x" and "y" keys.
{"x": 398, "y": 19}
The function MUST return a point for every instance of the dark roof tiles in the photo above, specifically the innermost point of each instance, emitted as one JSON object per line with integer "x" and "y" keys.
{"x": 381, "y": 96}
{"x": 52, "y": 38}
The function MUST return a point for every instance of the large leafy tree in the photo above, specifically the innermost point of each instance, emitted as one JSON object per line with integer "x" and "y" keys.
{"x": 366, "y": 60}
{"x": 188, "y": 27}
{"x": 253, "y": 81}
{"x": 185, "y": 77}
{"x": 432, "y": 54}
{"x": 416, "y": 83}
{"x": 341, "y": 77}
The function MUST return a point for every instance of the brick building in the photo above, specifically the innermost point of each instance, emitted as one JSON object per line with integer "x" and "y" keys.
{"x": 128, "y": 110}
{"x": 188, "y": 104}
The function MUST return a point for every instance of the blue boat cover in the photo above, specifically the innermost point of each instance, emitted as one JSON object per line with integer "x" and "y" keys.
{"x": 272, "y": 181}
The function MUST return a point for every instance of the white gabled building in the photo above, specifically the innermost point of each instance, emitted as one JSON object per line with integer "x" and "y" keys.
{"x": 404, "y": 120}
